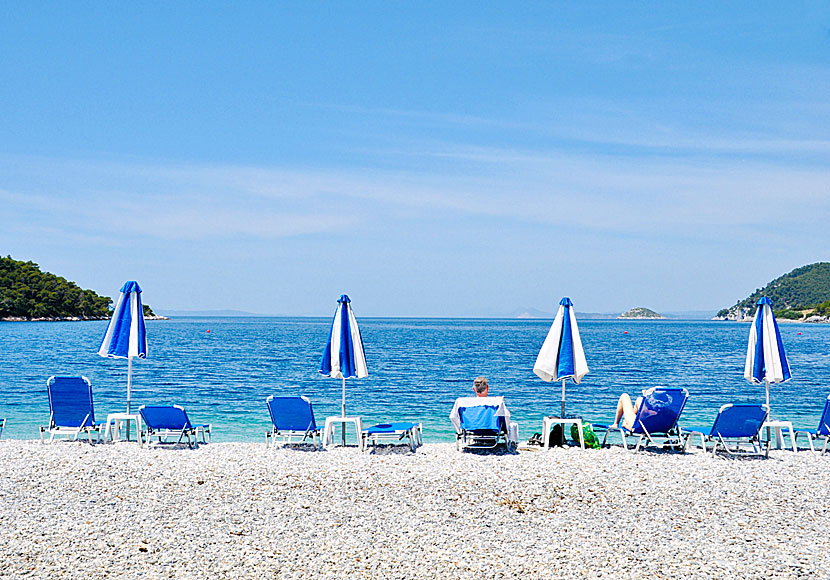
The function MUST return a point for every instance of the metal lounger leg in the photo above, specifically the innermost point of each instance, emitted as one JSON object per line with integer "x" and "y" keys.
{"x": 640, "y": 440}
{"x": 810, "y": 441}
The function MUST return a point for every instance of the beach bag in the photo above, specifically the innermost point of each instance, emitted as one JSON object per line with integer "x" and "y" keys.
{"x": 591, "y": 439}
{"x": 557, "y": 436}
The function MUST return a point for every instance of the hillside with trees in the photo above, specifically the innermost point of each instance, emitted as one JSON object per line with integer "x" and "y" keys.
{"x": 794, "y": 295}
{"x": 28, "y": 293}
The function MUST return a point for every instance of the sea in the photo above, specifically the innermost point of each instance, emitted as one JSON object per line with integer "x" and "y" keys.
{"x": 221, "y": 369}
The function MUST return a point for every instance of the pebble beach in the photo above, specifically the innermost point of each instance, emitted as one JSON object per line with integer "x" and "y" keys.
{"x": 240, "y": 510}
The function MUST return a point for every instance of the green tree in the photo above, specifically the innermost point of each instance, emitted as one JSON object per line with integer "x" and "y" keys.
{"x": 28, "y": 292}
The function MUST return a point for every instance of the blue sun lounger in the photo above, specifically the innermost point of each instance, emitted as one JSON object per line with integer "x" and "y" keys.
{"x": 393, "y": 433}
{"x": 163, "y": 421}
{"x": 481, "y": 423}
{"x": 735, "y": 424}
{"x": 656, "y": 421}
{"x": 821, "y": 432}
{"x": 291, "y": 417}
{"x": 70, "y": 408}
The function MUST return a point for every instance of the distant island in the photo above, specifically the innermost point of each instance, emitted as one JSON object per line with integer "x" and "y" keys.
{"x": 801, "y": 295}
{"x": 641, "y": 313}
{"x": 28, "y": 293}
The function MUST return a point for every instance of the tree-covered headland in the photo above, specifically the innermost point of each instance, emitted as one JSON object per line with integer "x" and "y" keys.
{"x": 796, "y": 295}
{"x": 26, "y": 292}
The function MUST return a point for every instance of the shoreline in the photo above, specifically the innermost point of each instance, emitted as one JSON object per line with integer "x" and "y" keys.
{"x": 68, "y": 319}
{"x": 240, "y": 510}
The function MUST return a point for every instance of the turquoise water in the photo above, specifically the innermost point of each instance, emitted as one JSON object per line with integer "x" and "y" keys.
{"x": 417, "y": 369}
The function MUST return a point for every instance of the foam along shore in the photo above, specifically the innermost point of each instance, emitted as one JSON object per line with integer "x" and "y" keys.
{"x": 239, "y": 510}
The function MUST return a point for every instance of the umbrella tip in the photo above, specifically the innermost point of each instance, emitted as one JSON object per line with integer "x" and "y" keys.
{"x": 566, "y": 302}
{"x": 130, "y": 286}
{"x": 764, "y": 300}
{"x": 344, "y": 298}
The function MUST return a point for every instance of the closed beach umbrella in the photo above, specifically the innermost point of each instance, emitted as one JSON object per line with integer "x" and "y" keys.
{"x": 126, "y": 336}
{"x": 344, "y": 357}
{"x": 766, "y": 361}
{"x": 561, "y": 356}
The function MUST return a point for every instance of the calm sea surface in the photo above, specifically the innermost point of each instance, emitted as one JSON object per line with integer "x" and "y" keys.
{"x": 417, "y": 369}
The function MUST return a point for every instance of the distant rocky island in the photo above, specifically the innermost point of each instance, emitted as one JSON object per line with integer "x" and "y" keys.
{"x": 640, "y": 313}
{"x": 28, "y": 293}
{"x": 802, "y": 295}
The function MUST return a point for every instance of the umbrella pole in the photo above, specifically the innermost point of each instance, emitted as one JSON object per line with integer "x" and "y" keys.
{"x": 563, "y": 398}
{"x": 129, "y": 389}
{"x": 769, "y": 416}
{"x": 343, "y": 413}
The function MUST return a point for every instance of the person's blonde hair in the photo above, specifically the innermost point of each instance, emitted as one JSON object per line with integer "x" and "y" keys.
{"x": 480, "y": 384}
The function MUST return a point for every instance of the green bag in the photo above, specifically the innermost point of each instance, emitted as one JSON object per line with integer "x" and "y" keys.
{"x": 591, "y": 439}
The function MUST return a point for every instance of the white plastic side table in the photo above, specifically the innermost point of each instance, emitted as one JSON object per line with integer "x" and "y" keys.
{"x": 114, "y": 420}
{"x": 779, "y": 436}
{"x": 549, "y": 422}
{"x": 328, "y": 430}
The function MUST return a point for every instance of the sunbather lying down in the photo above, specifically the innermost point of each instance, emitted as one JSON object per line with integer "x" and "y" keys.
{"x": 628, "y": 411}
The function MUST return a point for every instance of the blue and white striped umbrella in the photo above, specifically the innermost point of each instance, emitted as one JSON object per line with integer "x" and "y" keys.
{"x": 344, "y": 357}
{"x": 561, "y": 356}
{"x": 126, "y": 336}
{"x": 766, "y": 361}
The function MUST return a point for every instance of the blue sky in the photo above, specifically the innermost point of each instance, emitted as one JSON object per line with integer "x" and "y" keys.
{"x": 428, "y": 159}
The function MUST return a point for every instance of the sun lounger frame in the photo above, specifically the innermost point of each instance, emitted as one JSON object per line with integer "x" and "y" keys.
{"x": 821, "y": 432}
{"x": 312, "y": 432}
{"x": 2, "y": 427}
{"x": 482, "y": 438}
{"x": 395, "y": 433}
{"x": 718, "y": 440}
{"x": 671, "y": 437}
{"x": 87, "y": 425}
{"x": 188, "y": 430}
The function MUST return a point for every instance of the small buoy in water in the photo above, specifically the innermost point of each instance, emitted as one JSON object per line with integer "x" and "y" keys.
{"x": 799, "y": 334}
{"x": 625, "y": 332}
{"x": 208, "y": 331}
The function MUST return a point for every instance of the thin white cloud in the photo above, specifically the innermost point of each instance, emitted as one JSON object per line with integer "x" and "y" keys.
{"x": 599, "y": 192}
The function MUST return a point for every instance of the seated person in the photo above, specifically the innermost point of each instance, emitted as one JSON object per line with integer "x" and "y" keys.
{"x": 481, "y": 387}
{"x": 628, "y": 411}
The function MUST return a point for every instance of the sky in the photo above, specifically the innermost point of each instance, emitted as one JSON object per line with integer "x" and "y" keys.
{"x": 426, "y": 158}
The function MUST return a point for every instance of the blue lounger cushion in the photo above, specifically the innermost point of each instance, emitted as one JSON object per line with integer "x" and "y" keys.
{"x": 71, "y": 411}
{"x": 390, "y": 428}
{"x": 480, "y": 419}
{"x": 291, "y": 413}
{"x": 291, "y": 417}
